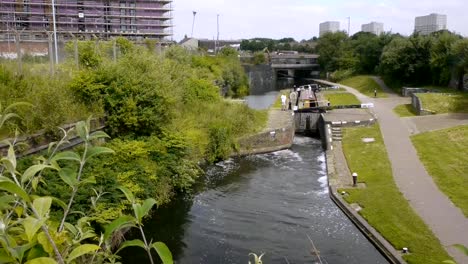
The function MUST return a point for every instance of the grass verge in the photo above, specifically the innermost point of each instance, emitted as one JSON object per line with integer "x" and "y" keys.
{"x": 440, "y": 103}
{"x": 444, "y": 153}
{"x": 384, "y": 207}
{"x": 341, "y": 98}
{"x": 277, "y": 104}
{"x": 405, "y": 110}
{"x": 364, "y": 84}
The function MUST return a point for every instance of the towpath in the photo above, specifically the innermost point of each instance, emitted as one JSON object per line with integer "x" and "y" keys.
{"x": 446, "y": 220}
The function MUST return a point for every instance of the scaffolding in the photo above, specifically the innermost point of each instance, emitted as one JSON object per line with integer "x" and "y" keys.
{"x": 134, "y": 19}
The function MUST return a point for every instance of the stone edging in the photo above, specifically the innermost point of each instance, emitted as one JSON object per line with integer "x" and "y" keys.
{"x": 270, "y": 141}
{"x": 379, "y": 242}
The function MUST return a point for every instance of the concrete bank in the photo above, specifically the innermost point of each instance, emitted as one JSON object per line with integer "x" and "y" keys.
{"x": 339, "y": 176}
{"x": 278, "y": 135}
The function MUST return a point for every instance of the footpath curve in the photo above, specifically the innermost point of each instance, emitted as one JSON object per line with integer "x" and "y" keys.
{"x": 446, "y": 221}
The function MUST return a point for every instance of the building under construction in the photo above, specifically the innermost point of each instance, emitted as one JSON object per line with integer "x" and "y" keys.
{"x": 134, "y": 19}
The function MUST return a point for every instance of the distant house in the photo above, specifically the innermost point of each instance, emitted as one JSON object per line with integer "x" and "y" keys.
{"x": 208, "y": 44}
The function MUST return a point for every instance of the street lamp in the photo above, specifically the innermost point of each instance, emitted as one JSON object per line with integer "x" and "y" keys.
{"x": 193, "y": 22}
{"x": 55, "y": 31}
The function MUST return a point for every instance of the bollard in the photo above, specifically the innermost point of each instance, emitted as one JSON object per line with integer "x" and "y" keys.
{"x": 355, "y": 179}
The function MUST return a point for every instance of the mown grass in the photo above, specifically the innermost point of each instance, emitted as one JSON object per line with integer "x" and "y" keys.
{"x": 384, "y": 207}
{"x": 341, "y": 98}
{"x": 404, "y": 110}
{"x": 365, "y": 85}
{"x": 444, "y": 153}
{"x": 456, "y": 102}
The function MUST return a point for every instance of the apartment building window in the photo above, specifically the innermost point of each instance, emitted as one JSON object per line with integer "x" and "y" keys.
{"x": 26, "y": 7}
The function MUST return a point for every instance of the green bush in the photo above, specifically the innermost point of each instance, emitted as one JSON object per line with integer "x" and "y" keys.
{"x": 339, "y": 75}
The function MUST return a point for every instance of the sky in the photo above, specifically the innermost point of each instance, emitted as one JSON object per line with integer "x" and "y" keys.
{"x": 300, "y": 19}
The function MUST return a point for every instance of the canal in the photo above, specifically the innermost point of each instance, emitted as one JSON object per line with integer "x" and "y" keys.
{"x": 270, "y": 203}
{"x": 267, "y": 203}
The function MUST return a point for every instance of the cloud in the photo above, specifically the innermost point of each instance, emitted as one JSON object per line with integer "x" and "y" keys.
{"x": 300, "y": 18}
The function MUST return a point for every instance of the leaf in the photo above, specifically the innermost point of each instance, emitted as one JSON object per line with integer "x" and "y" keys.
{"x": 131, "y": 243}
{"x": 82, "y": 250}
{"x": 67, "y": 155}
{"x": 145, "y": 208}
{"x": 98, "y": 134}
{"x": 462, "y": 248}
{"x": 42, "y": 261}
{"x": 5, "y": 257}
{"x": 121, "y": 222}
{"x": 42, "y": 205}
{"x": 82, "y": 130}
{"x": 45, "y": 243}
{"x": 97, "y": 151}
{"x": 69, "y": 176}
{"x": 14, "y": 189}
{"x": 31, "y": 171}
{"x": 5, "y": 201}
{"x": 59, "y": 202}
{"x": 18, "y": 252}
{"x": 449, "y": 262}
{"x": 36, "y": 252}
{"x": 163, "y": 252}
{"x": 12, "y": 156}
{"x": 128, "y": 194}
{"x": 31, "y": 226}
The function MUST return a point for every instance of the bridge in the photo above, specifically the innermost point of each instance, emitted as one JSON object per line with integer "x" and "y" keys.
{"x": 292, "y": 65}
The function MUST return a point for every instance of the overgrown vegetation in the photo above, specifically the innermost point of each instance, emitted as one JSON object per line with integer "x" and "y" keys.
{"x": 415, "y": 60}
{"x": 166, "y": 113}
{"x": 444, "y": 153}
{"x": 389, "y": 214}
{"x": 51, "y": 101}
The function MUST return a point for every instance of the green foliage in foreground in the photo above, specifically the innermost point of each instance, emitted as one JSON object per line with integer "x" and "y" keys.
{"x": 405, "y": 110}
{"x": 365, "y": 85}
{"x": 444, "y": 153}
{"x": 340, "y": 98}
{"x": 445, "y": 102}
{"x": 384, "y": 207}
{"x": 37, "y": 228}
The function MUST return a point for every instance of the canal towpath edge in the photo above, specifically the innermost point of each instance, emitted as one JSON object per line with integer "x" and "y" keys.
{"x": 446, "y": 221}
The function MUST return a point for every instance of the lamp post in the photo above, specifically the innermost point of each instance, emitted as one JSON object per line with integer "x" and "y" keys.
{"x": 193, "y": 22}
{"x": 55, "y": 31}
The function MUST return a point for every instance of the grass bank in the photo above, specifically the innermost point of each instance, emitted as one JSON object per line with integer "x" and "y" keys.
{"x": 341, "y": 98}
{"x": 384, "y": 207}
{"x": 365, "y": 85}
{"x": 456, "y": 102}
{"x": 444, "y": 153}
{"x": 405, "y": 110}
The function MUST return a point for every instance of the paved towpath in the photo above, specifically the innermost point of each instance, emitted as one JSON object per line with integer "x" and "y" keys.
{"x": 446, "y": 220}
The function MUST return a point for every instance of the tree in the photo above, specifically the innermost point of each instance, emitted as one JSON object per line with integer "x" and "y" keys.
{"x": 407, "y": 59}
{"x": 368, "y": 49}
{"x": 442, "y": 57}
{"x": 330, "y": 47}
{"x": 460, "y": 52}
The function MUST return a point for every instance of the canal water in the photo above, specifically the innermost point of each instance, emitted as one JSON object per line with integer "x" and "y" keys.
{"x": 269, "y": 203}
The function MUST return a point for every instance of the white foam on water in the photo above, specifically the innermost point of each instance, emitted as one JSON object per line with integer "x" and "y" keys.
{"x": 324, "y": 184}
{"x": 302, "y": 140}
{"x": 289, "y": 154}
